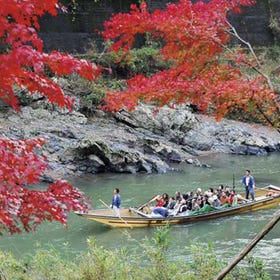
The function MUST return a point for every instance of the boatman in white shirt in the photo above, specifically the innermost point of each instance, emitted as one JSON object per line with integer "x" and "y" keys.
{"x": 249, "y": 183}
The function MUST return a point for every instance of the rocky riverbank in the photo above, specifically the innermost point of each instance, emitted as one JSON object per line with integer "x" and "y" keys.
{"x": 141, "y": 141}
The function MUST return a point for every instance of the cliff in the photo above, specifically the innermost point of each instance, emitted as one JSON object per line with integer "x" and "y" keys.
{"x": 140, "y": 141}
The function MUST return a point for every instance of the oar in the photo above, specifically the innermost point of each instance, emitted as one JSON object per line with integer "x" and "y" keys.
{"x": 241, "y": 198}
{"x": 114, "y": 212}
{"x": 147, "y": 202}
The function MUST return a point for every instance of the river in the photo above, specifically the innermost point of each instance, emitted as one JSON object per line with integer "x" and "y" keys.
{"x": 228, "y": 235}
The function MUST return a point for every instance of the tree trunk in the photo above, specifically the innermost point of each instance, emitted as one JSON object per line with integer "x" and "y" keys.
{"x": 249, "y": 247}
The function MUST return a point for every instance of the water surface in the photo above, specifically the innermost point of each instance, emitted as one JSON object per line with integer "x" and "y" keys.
{"x": 228, "y": 235}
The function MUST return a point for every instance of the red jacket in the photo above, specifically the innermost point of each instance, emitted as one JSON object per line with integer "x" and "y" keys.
{"x": 160, "y": 203}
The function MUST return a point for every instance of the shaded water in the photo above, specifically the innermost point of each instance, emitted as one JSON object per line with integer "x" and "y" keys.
{"x": 228, "y": 235}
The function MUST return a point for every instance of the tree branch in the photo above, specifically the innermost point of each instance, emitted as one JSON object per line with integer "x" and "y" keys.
{"x": 234, "y": 33}
{"x": 249, "y": 247}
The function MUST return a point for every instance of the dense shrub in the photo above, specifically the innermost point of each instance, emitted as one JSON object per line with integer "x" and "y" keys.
{"x": 149, "y": 259}
{"x": 116, "y": 68}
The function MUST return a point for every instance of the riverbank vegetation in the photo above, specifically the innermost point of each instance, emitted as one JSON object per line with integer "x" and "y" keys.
{"x": 149, "y": 259}
{"x": 147, "y": 60}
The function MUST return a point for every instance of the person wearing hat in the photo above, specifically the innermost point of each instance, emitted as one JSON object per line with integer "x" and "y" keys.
{"x": 249, "y": 183}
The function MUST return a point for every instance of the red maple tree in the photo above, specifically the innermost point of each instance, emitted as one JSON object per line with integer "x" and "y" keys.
{"x": 194, "y": 37}
{"x": 24, "y": 64}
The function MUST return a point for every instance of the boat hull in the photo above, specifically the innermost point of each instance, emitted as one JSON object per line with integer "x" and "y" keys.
{"x": 131, "y": 218}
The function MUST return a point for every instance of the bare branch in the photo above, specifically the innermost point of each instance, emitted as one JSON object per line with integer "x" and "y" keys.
{"x": 234, "y": 33}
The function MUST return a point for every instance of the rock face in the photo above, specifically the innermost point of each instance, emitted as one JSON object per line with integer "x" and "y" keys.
{"x": 141, "y": 141}
{"x": 233, "y": 137}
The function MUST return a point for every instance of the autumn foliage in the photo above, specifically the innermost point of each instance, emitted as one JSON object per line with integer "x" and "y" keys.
{"x": 23, "y": 64}
{"x": 204, "y": 71}
{"x": 21, "y": 167}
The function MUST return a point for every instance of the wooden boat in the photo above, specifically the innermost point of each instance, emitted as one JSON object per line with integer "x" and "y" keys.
{"x": 266, "y": 197}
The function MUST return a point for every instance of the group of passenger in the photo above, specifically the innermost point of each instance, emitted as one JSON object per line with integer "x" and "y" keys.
{"x": 193, "y": 201}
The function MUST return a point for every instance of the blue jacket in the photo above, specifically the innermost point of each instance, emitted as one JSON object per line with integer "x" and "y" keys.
{"x": 251, "y": 182}
{"x": 116, "y": 201}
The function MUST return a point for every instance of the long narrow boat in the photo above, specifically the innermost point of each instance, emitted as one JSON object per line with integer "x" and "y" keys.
{"x": 266, "y": 197}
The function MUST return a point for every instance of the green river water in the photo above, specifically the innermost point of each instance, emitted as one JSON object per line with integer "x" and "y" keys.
{"x": 228, "y": 235}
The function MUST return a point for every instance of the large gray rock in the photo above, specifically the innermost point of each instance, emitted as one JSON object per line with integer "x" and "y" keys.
{"x": 162, "y": 121}
{"x": 140, "y": 141}
{"x": 229, "y": 136}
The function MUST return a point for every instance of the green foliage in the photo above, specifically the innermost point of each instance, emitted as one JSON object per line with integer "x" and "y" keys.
{"x": 162, "y": 238}
{"x": 257, "y": 268}
{"x": 156, "y": 252}
{"x": 50, "y": 264}
{"x": 23, "y": 96}
{"x": 99, "y": 263}
{"x": 149, "y": 260}
{"x": 24, "y": 99}
{"x": 145, "y": 59}
{"x": 205, "y": 263}
{"x": 96, "y": 91}
{"x": 116, "y": 68}
{"x": 10, "y": 268}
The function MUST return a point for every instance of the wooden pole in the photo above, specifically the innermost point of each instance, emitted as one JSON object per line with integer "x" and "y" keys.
{"x": 249, "y": 247}
{"x": 114, "y": 213}
{"x": 147, "y": 202}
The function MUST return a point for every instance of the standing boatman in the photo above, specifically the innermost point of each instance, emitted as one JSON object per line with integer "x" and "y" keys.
{"x": 116, "y": 202}
{"x": 249, "y": 182}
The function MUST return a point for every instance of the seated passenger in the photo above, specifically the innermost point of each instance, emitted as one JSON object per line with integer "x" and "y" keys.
{"x": 201, "y": 201}
{"x": 227, "y": 191}
{"x": 221, "y": 188}
{"x": 180, "y": 205}
{"x": 217, "y": 193}
{"x": 195, "y": 205}
{"x": 183, "y": 208}
{"x": 165, "y": 197}
{"x": 161, "y": 211}
{"x": 198, "y": 191}
{"x": 233, "y": 197}
{"x": 208, "y": 197}
{"x": 189, "y": 204}
{"x": 216, "y": 201}
{"x": 190, "y": 194}
{"x": 160, "y": 202}
{"x": 177, "y": 195}
{"x": 224, "y": 199}
{"x": 163, "y": 201}
{"x": 171, "y": 204}
{"x": 210, "y": 190}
